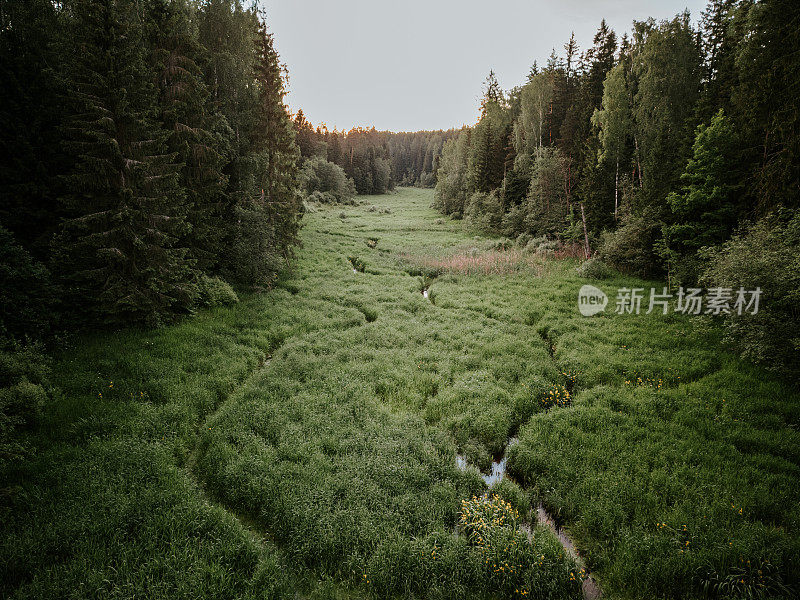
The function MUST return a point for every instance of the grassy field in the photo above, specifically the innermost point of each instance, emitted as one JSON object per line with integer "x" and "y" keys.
{"x": 302, "y": 443}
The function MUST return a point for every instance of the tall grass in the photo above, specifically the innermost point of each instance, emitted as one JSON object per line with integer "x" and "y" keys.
{"x": 302, "y": 443}
{"x": 491, "y": 262}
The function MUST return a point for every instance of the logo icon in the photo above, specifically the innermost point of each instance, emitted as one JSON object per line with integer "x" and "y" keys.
{"x": 591, "y": 300}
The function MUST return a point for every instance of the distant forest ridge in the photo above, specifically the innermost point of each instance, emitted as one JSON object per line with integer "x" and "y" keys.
{"x": 367, "y": 155}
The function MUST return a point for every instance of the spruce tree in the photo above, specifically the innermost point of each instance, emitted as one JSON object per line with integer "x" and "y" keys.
{"x": 718, "y": 40}
{"x": 189, "y": 120}
{"x": 767, "y": 102}
{"x": 704, "y": 211}
{"x": 268, "y": 215}
{"x": 117, "y": 248}
{"x": 667, "y": 72}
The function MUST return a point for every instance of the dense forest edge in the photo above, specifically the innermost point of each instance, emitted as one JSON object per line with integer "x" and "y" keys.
{"x": 671, "y": 153}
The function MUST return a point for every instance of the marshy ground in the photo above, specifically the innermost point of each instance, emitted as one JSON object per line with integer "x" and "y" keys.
{"x": 303, "y": 443}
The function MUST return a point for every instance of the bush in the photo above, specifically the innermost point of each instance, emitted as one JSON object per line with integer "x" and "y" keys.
{"x": 326, "y": 182}
{"x": 523, "y": 239}
{"x": 594, "y": 268}
{"x": 484, "y": 211}
{"x": 427, "y": 180}
{"x": 630, "y": 248}
{"x": 26, "y": 291}
{"x": 24, "y": 390}
{"x": 501, "y": 244}
{"x": 213, "y": 291}
{"x": 548, "y": 245}
{"x": 534, "y": 243}
{"x": 765, "y": 256}
{"x": 514, "y": 221}
{"x": 322, "y": 197}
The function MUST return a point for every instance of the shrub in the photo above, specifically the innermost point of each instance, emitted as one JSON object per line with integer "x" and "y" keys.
{"x": 24, "y": 390}
{"x": 523, "y": 239}
{"x": 514, "y": 221}
{"x": 534, "y": 243}
{"x": 594, "y": 268}
{"x": 630, "y": 248}
{"x": 548, "y": 245}
{"x": 502, "y": 244}
{"x": 765, "y": 256}
{"x": 26, "y": 291}
{"x": 213, "y": 291}
{"x": 427, "y": 180}
{"x": 326, "y": 182}
{"x": 322, "y": 197}
{"x": 484, "y": 211}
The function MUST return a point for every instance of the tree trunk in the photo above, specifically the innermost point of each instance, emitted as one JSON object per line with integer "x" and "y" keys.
{"x": 587, "y": 250}
{"x": 638, "y": 162}
{"x": 616, "y": 190}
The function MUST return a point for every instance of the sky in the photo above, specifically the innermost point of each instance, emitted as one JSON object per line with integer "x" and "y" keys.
{"x": 409, "y": 65}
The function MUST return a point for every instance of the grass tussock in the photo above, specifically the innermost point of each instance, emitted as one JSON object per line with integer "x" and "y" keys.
{"x": 490, "y": 262}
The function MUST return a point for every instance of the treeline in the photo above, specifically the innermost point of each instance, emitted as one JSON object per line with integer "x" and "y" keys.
{"x": 415, "y": 156}
{"x": 147, "y": 160}
{"x": 375, "y": 161}
{"x": 673, "y": 152}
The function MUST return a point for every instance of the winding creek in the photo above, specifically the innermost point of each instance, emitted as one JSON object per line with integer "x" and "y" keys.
{"x": 496, "y": 473}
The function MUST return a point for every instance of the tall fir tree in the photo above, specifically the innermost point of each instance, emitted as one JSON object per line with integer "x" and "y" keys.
{"x": 719, "y": 38}
{"x": 667, "y": 71}
{"x": 117, "y": 248}
{"x": 766, "y": 100}
{"x": 268, "y": 214}
{"x": 189, "y": 120}
{"x": 30, "y": 115}
{"x": 705, "y": 210}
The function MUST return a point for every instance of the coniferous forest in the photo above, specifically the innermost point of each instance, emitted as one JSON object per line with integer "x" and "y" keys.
{"x": 244, "y": 355}
{"x": 147, "y": 158}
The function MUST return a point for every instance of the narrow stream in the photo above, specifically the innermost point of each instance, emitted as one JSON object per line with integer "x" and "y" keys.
{"x": 497, "y": 472}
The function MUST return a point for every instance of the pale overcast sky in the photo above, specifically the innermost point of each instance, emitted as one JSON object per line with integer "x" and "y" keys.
{"x": 407, "y": 65}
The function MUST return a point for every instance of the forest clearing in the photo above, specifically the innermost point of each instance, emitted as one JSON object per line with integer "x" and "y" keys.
{"x": 293, "y": 307}
{"x": 305, "y": 440}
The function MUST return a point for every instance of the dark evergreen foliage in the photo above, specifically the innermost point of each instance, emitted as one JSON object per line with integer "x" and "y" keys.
{"x": 615, "y": 126}
{"x": 145, "y": 147}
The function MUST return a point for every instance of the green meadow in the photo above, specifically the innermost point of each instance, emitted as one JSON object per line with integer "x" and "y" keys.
{"x": 303, "y": 443}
